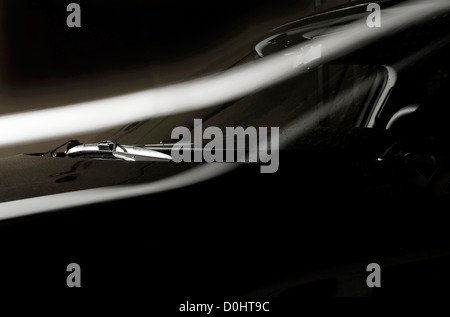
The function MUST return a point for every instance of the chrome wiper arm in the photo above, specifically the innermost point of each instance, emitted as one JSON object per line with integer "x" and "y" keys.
{"x": 70, "y": 144}
{"x": 120, "y": 151}
{"x": 138, "y": 153}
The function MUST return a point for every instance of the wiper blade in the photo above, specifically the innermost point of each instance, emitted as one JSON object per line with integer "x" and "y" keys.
{"x": 164, "y": 146}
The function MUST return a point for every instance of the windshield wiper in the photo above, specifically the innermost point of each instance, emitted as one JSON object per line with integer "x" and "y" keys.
{"x": 110, "y": 150}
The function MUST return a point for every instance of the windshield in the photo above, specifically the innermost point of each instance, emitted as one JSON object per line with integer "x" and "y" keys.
{"x": 343, "y": 90}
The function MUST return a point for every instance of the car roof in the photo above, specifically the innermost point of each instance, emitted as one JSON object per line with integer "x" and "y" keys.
{"x": 336, "y": 12}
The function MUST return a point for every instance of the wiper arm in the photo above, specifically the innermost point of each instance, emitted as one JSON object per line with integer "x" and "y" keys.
{"x": 111, "y": 150}
{"x": 138, "y": 153}
{"x": 70, "y": 144}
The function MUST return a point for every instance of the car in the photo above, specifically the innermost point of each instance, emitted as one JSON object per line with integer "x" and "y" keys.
{"x": 363, "y": 178}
